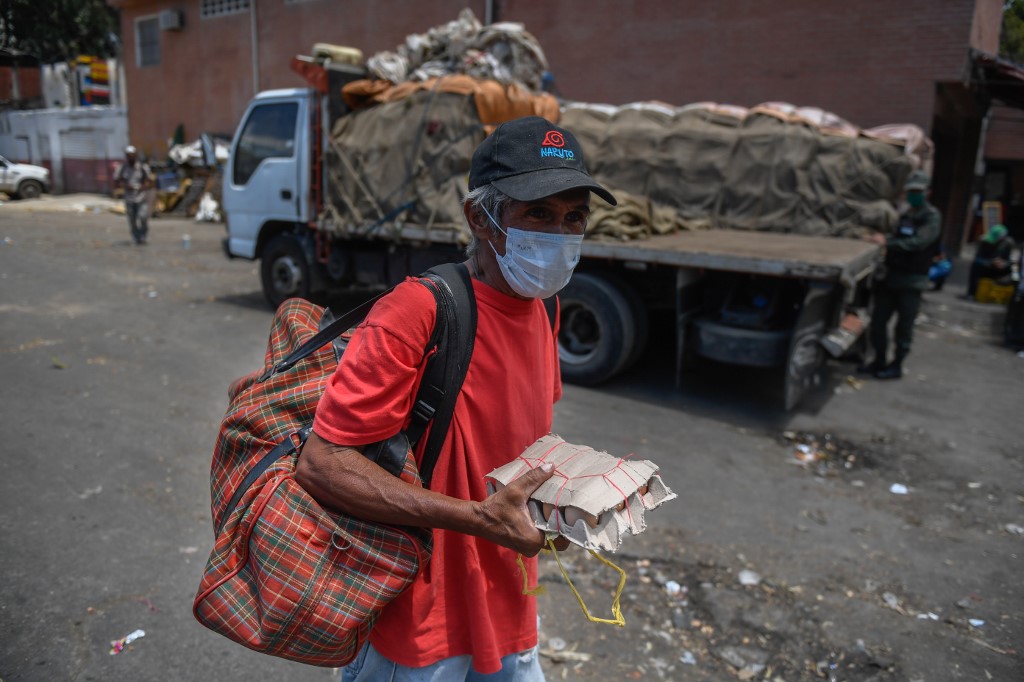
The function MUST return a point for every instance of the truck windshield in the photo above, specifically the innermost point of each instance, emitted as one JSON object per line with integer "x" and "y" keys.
{"x": 269, "y": 133}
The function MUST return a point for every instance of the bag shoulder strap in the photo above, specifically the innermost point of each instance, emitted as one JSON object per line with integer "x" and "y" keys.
{"x": 446, "y": 369}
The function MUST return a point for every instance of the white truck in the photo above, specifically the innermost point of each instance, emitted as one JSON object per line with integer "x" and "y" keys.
{"x": 753, "y": 298}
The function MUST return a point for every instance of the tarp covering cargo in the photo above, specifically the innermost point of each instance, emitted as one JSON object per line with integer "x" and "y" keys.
{"x": 768, "y": 168}
{"x": 403, "y": 157}
{"x": 406, "y": 160}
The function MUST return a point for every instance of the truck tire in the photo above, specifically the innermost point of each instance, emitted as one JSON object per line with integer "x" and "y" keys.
{"x": 285, "y": 271}
{"x": 641, "y": 318}
{"x": 29, "y": 189}
{"x": 597, "y": 331}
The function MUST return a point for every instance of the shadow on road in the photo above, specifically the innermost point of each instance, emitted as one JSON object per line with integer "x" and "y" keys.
{"x": 745, "y": 396}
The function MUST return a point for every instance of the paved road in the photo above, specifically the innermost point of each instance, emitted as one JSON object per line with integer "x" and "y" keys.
{"x": 115, "y": 362}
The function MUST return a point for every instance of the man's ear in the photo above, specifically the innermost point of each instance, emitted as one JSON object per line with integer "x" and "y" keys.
{"x": 477, "y": 220}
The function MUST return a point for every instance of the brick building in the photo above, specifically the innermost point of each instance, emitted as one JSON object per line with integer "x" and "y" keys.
{"x": 20, "y": 80}
{"x": 197, "y": 63}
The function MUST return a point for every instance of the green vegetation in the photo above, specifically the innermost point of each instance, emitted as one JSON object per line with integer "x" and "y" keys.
{"x": 59, "y": 30}
{"x": 1011, "y": 39}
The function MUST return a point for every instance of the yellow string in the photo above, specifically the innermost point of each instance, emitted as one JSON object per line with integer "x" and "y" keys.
{"x": 527, "y": 590}
{"x": 618, "y": 619}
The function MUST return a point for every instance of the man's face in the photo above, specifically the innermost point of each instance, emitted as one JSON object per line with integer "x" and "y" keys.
{"x": 915, "y": 197}
{"x": 130, "y": 158}
{"x": 563, "y": 213}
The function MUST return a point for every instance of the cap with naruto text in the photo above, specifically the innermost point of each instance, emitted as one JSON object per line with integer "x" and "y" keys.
{"x": 531, "y": 158}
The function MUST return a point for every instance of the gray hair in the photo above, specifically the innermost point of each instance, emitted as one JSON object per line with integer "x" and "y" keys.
{"x": 490, "y": 199}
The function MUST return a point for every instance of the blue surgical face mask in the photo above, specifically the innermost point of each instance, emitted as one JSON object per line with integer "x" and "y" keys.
{"x": 915, "y": 199}
{"x": 537, "y": 264}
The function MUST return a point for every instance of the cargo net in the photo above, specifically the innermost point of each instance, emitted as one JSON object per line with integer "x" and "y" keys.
{"x": 774, "y": 168}
{"x": 397, "y": 167}
{"x": 399, "y": 170}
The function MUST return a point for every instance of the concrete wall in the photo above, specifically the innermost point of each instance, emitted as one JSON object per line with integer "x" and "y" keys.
{"x": 81, "y": 147}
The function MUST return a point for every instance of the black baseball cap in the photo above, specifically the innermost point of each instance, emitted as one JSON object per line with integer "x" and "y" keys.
{"x": 531, "y": 158}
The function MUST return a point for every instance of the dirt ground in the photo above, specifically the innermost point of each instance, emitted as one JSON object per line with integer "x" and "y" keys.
{"x": 792, "y": 551}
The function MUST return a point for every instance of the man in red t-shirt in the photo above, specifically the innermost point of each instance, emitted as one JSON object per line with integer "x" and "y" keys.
{"x": 465, "y": 617}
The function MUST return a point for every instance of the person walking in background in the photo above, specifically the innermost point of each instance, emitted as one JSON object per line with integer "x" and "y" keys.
{"x": 136, "y": 178}
{"x": 909, "y": 251}
{"x": 993, "y": 258}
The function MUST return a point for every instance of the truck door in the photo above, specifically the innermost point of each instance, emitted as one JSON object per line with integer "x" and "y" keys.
{"x": 263, "y": 176}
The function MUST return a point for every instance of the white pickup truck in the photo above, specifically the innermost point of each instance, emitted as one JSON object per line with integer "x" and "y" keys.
{"x": 23, "y": 180}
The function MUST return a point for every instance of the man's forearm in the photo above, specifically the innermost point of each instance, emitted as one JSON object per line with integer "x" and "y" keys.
{"x": 342, "y": 478}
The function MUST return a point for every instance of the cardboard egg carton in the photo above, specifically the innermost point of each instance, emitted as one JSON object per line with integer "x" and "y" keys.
{"x": 594, "y": 499}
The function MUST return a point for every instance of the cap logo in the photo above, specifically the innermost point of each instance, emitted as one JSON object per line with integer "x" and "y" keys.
{"x": 553, "y": 145}
{"x": 553, "y": 139}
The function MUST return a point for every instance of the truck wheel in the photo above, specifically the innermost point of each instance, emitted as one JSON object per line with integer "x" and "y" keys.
{"x": 30, "y": 189}
{"x": 596, "y": 333}
{"x": 285, "y": 271}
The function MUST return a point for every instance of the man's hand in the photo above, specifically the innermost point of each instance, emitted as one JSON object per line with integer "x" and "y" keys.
{"x": 507, "y": 519}
{"x": 875, "y": 238}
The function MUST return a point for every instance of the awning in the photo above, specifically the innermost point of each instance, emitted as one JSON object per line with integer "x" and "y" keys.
{"x": 10, "y": 57}
{"x": 997, "y": 78}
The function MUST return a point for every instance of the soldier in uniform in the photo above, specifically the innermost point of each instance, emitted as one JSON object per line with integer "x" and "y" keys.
{"x": 909, "y": 251}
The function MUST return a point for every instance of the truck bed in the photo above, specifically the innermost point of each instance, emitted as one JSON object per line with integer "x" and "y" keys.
{"x": 767, "y": 253}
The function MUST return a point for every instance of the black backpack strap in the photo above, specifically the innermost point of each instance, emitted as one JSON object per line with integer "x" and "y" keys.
{"x": 446, "y": 369}
{"x": 322, "y": 337}
{"x": 551, "y": 307}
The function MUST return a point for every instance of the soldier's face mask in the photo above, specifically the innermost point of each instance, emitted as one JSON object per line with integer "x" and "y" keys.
{"x": 915, "y": 198}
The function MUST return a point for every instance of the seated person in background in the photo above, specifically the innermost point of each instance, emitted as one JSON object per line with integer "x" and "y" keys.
{"x": 940, "y": 269}
{"x": 992, "y": 258}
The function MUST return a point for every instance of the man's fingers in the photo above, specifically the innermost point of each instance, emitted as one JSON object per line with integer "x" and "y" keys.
{"x": 532, "y": 479}
{"x": 561, "y": 543}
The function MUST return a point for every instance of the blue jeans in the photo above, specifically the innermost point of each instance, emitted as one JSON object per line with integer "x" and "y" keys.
{"x": 370, "y": 666}
{"x": 138, "y": 219}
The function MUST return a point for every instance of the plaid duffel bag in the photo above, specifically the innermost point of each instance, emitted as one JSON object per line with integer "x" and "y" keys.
{"x": 287, "y": 577}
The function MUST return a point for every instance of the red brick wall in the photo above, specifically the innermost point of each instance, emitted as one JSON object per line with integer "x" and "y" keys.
{"x": 871, "y": 61}
{"x": 1005, "y": 139}
{"x": 205, "y": 78}
{"x": 30, "y": 82}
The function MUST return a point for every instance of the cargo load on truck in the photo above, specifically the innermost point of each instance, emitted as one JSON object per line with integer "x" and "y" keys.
{"x": 402, "y": 156}
{"x": 728, "y": 226}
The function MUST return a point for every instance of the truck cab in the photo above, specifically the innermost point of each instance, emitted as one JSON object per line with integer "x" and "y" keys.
{"x": 265, "y": 181}
{"x": 274, "y": 180}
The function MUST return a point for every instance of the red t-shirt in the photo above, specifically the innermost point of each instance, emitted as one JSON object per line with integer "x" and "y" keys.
{"x": 469, "y": 600}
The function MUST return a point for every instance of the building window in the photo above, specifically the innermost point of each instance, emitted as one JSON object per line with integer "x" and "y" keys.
{"x": 147, "y": 41}
{"x": 219, "y": 8}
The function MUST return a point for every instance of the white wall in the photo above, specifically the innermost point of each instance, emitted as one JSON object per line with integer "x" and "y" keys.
{"x": 85, "y": 138}
{"x": 61, "y": 93}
